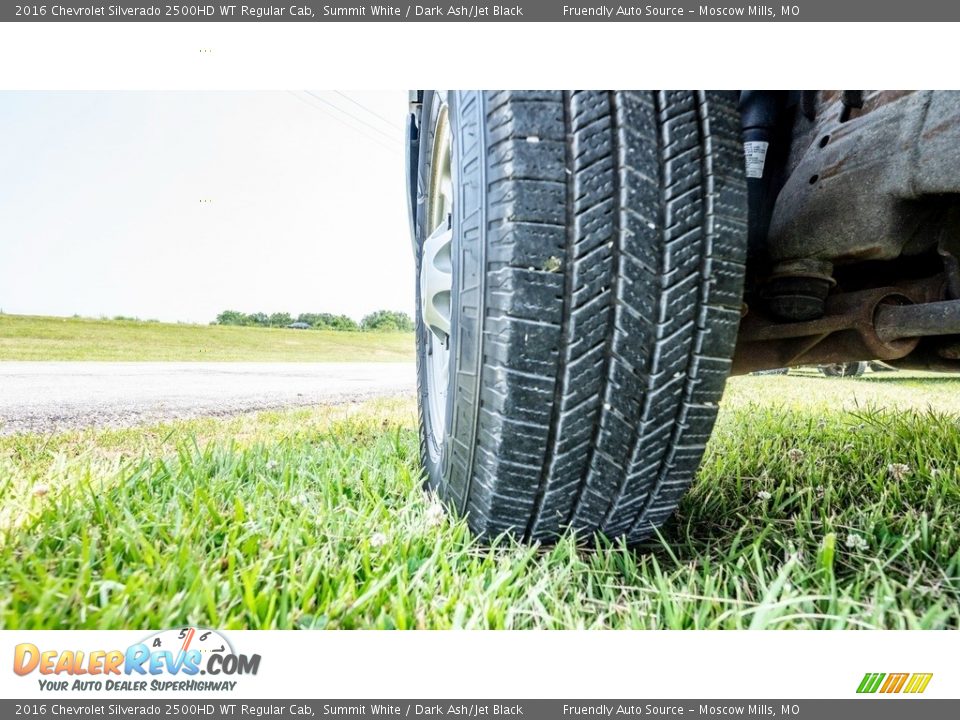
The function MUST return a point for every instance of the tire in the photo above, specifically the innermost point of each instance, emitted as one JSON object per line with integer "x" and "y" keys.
{"x": 851, "y": 369}
{"x": 598, "y": 248}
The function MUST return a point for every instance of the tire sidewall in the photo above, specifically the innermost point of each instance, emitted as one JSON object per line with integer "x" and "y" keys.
{"x": 449, "y": 475}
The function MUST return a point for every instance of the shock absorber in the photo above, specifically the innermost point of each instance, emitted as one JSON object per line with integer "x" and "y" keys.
{"x": 760, "y": 111}
{"x": 767, "y": 122}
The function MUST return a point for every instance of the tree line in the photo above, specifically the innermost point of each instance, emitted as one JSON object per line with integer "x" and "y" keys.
{"x": 378, "y": 320}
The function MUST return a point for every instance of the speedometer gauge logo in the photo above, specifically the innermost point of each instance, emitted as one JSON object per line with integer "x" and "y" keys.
{"x": 205, "y": 640}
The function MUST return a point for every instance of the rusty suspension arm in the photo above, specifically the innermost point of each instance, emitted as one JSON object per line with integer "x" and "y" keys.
{"x": 877, "y": 324}
{"x": 911, "y": 321}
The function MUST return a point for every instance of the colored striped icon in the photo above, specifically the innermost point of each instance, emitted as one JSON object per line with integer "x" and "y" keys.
{"x": 894, "y": 683}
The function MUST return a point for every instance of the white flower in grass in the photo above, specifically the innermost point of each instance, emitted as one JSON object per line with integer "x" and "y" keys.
{"x": 763, "y": 496}
{"x": 898, "y": 471}
{"x": 378, "y": 539}
{"x": 272, "y": 465}
{"x": 795, "y": 455}
{"x": 107, "y": 588}
{"x": 435, "y": 514}
{"x": 856, "y": 542}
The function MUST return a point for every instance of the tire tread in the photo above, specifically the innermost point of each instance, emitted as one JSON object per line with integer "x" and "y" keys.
{"x": 615, "y": 231}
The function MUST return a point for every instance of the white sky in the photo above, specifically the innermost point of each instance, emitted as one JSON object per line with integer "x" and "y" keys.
{"x": 101, "y": 212}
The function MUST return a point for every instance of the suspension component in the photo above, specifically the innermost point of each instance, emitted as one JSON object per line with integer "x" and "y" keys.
{"x": 877, "y": 324}
{"x": 913, "y": 321}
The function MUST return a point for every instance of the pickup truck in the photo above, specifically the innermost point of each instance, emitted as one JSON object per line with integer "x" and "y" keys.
{"x": 593, "y": 265}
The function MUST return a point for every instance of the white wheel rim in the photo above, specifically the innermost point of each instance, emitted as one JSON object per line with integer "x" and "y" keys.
{"x": 436, "y": 281}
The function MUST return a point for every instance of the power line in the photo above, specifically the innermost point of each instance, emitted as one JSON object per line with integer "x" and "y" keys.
{"x": 391, "y": 123}
{"x": 373, "y": 127}
{"x": 366, "y": 135}
{"x": 372, "y": 138}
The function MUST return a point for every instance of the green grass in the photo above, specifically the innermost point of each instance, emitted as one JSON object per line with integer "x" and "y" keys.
{"x": 24, "y": 337}
{"x": 315, "y": 519}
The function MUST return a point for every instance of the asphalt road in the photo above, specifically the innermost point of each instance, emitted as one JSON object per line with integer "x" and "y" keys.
{"x": 51, "y": 396}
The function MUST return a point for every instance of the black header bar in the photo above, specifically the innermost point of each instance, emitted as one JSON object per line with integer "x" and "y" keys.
{"x": 523, "y": 11}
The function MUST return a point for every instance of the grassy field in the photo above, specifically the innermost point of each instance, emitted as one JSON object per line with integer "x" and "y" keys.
{"x": 24, "y": 337}
{"x": 821, "y": 504}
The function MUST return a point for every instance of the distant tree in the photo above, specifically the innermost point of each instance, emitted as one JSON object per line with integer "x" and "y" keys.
{"x": 231, "y": 317}
{"x": 280, "y": 319}
{"x": 315, "y": 320}
{"x": 328, "y": 321}
{"x": 320, "y": 321}
{"x": 387, "y": 320}
{"x": 343, "y": 322}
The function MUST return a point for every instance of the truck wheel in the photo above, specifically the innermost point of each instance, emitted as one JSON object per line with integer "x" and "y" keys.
{"x": 851, "y": 369}
{"x": 580, "y": 262}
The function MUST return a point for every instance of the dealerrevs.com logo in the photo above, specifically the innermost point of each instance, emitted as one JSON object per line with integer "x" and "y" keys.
{"x": 169, "y": 660}
{"x": 892, "y": 683}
